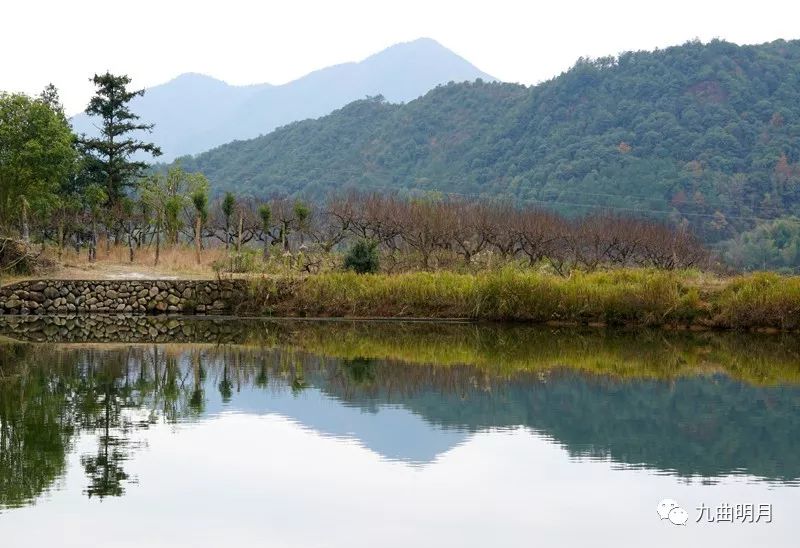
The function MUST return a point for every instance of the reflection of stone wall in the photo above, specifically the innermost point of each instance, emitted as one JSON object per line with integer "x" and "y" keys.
{"x": 121, "y": 296}
{"x": 119, "y": 328}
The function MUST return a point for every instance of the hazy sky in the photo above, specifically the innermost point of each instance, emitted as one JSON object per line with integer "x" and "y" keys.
{"x": 245, "y": 42}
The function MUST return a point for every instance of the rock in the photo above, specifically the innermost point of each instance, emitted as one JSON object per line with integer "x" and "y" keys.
{"x": 50, "y": 292}
{"x": 37, "y": 286}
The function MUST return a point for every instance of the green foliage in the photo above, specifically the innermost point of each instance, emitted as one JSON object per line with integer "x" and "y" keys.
{"x": 362, "y": 257}
{"x": 228, "y": 204}
{"x": 36, "y": 155}
{"x": 700, "y": 133}
{"x": 168, "y": 195}
{"x": 301, "y": 213}
{"x": 200, "y": 202}
{"x": 265, "y": 214}
{"x": 773, "y": 245}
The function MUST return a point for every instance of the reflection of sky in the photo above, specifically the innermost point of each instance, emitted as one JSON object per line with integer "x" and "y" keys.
{"x": 245, "y": 480}
{"x": 396, "y": 434}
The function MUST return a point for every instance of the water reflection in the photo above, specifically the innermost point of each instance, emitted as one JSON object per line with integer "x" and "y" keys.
{"x": 683, "y": 404}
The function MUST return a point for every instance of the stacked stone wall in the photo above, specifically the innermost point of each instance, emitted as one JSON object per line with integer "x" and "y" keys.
{"x": 121, "y": 296}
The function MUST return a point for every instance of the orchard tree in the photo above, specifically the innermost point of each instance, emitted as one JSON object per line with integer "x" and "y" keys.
{"x": 200, "y": 202}
{"x": 167, "y": 196}
{"x": 265, "y": 214}
{"x": 228, "y": 206}
{"x": 94, "y": 197}
{"x": 111, "y": 152}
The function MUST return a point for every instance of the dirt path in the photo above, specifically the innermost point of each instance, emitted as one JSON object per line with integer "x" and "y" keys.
{"x": 101, "y": 271}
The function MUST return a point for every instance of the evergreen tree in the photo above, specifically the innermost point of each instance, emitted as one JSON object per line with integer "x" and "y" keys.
{"x": 111, "y": 153}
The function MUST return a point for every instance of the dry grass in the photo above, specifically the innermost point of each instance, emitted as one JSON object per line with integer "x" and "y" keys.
{"x": 114, "y": 262}
{"x": 644, "y": 297}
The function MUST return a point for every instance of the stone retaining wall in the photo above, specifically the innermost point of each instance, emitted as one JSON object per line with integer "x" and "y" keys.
{"x": 123, "y": 328}
{"x": 122, "y": 296}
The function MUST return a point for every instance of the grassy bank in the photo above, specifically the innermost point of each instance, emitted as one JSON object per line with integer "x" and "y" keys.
{"x": 617, "y": 297}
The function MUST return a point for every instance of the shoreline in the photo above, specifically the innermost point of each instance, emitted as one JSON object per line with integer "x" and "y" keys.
{"x": 627, "y": 298}
{"x": 680, "y": 328}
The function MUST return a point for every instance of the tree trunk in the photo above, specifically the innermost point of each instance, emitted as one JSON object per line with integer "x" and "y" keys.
{"x": 130, "y": 243}
{"x": 227, "y": 232}
{"x": 239, "y": 235}
{"x": 93, "y": 243}
{"x": 60, "y": 239}
{"x": 158, "y": 244}
{"x": 197, "y": 241}
{"x": 26, "y": 232}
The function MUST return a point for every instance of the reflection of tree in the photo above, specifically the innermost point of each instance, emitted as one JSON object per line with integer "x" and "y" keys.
{"x": 105, "y": 391}
{"x": 104, "y": 469}
{"x": 225, "y": 385}
{"x": 47, "y": 397}
{"x": 35, "y": 430}
{"x": 360, "y": 370}
{"x": 197, "y": 397}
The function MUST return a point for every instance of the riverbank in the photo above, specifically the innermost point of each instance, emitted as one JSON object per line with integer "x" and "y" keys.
{"x": 628, "y": 297}
{"x": 640, "y": 297}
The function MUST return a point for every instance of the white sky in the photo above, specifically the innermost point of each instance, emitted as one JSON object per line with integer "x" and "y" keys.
{"x": 245, "y": 42}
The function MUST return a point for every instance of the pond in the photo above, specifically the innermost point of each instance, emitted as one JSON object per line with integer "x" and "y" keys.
{"x": 177, "y": 432}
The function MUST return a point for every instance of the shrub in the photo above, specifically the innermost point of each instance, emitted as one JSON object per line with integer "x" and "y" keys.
{"x": 247, "y": 261}
{"x": 362, "y": 258}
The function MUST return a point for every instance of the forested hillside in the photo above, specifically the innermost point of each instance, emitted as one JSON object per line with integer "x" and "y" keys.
{"x": 707, "y": 134}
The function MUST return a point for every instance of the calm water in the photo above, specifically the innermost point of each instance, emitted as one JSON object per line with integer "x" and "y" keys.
{"x": 219, "y": 433}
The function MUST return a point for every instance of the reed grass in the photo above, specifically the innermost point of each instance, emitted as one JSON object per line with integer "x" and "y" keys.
{"x": 642, "y": 297}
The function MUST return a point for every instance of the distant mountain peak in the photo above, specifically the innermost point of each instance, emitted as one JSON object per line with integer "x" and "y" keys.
{"x": 194, "y": 112}
{"x": 194, "y": 76}
{"x": 424, "y": 51}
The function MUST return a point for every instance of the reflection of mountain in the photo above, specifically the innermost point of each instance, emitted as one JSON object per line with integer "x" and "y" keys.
{"x": 701, "y": 424}
{"x": 392, "y": 431}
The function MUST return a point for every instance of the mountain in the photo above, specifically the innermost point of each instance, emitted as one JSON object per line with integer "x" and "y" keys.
{"x": 706, "y": 134}
{"x": 193, "y": 112}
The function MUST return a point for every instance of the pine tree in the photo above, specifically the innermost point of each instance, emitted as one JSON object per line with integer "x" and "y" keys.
{"x": 110, "y": 153}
